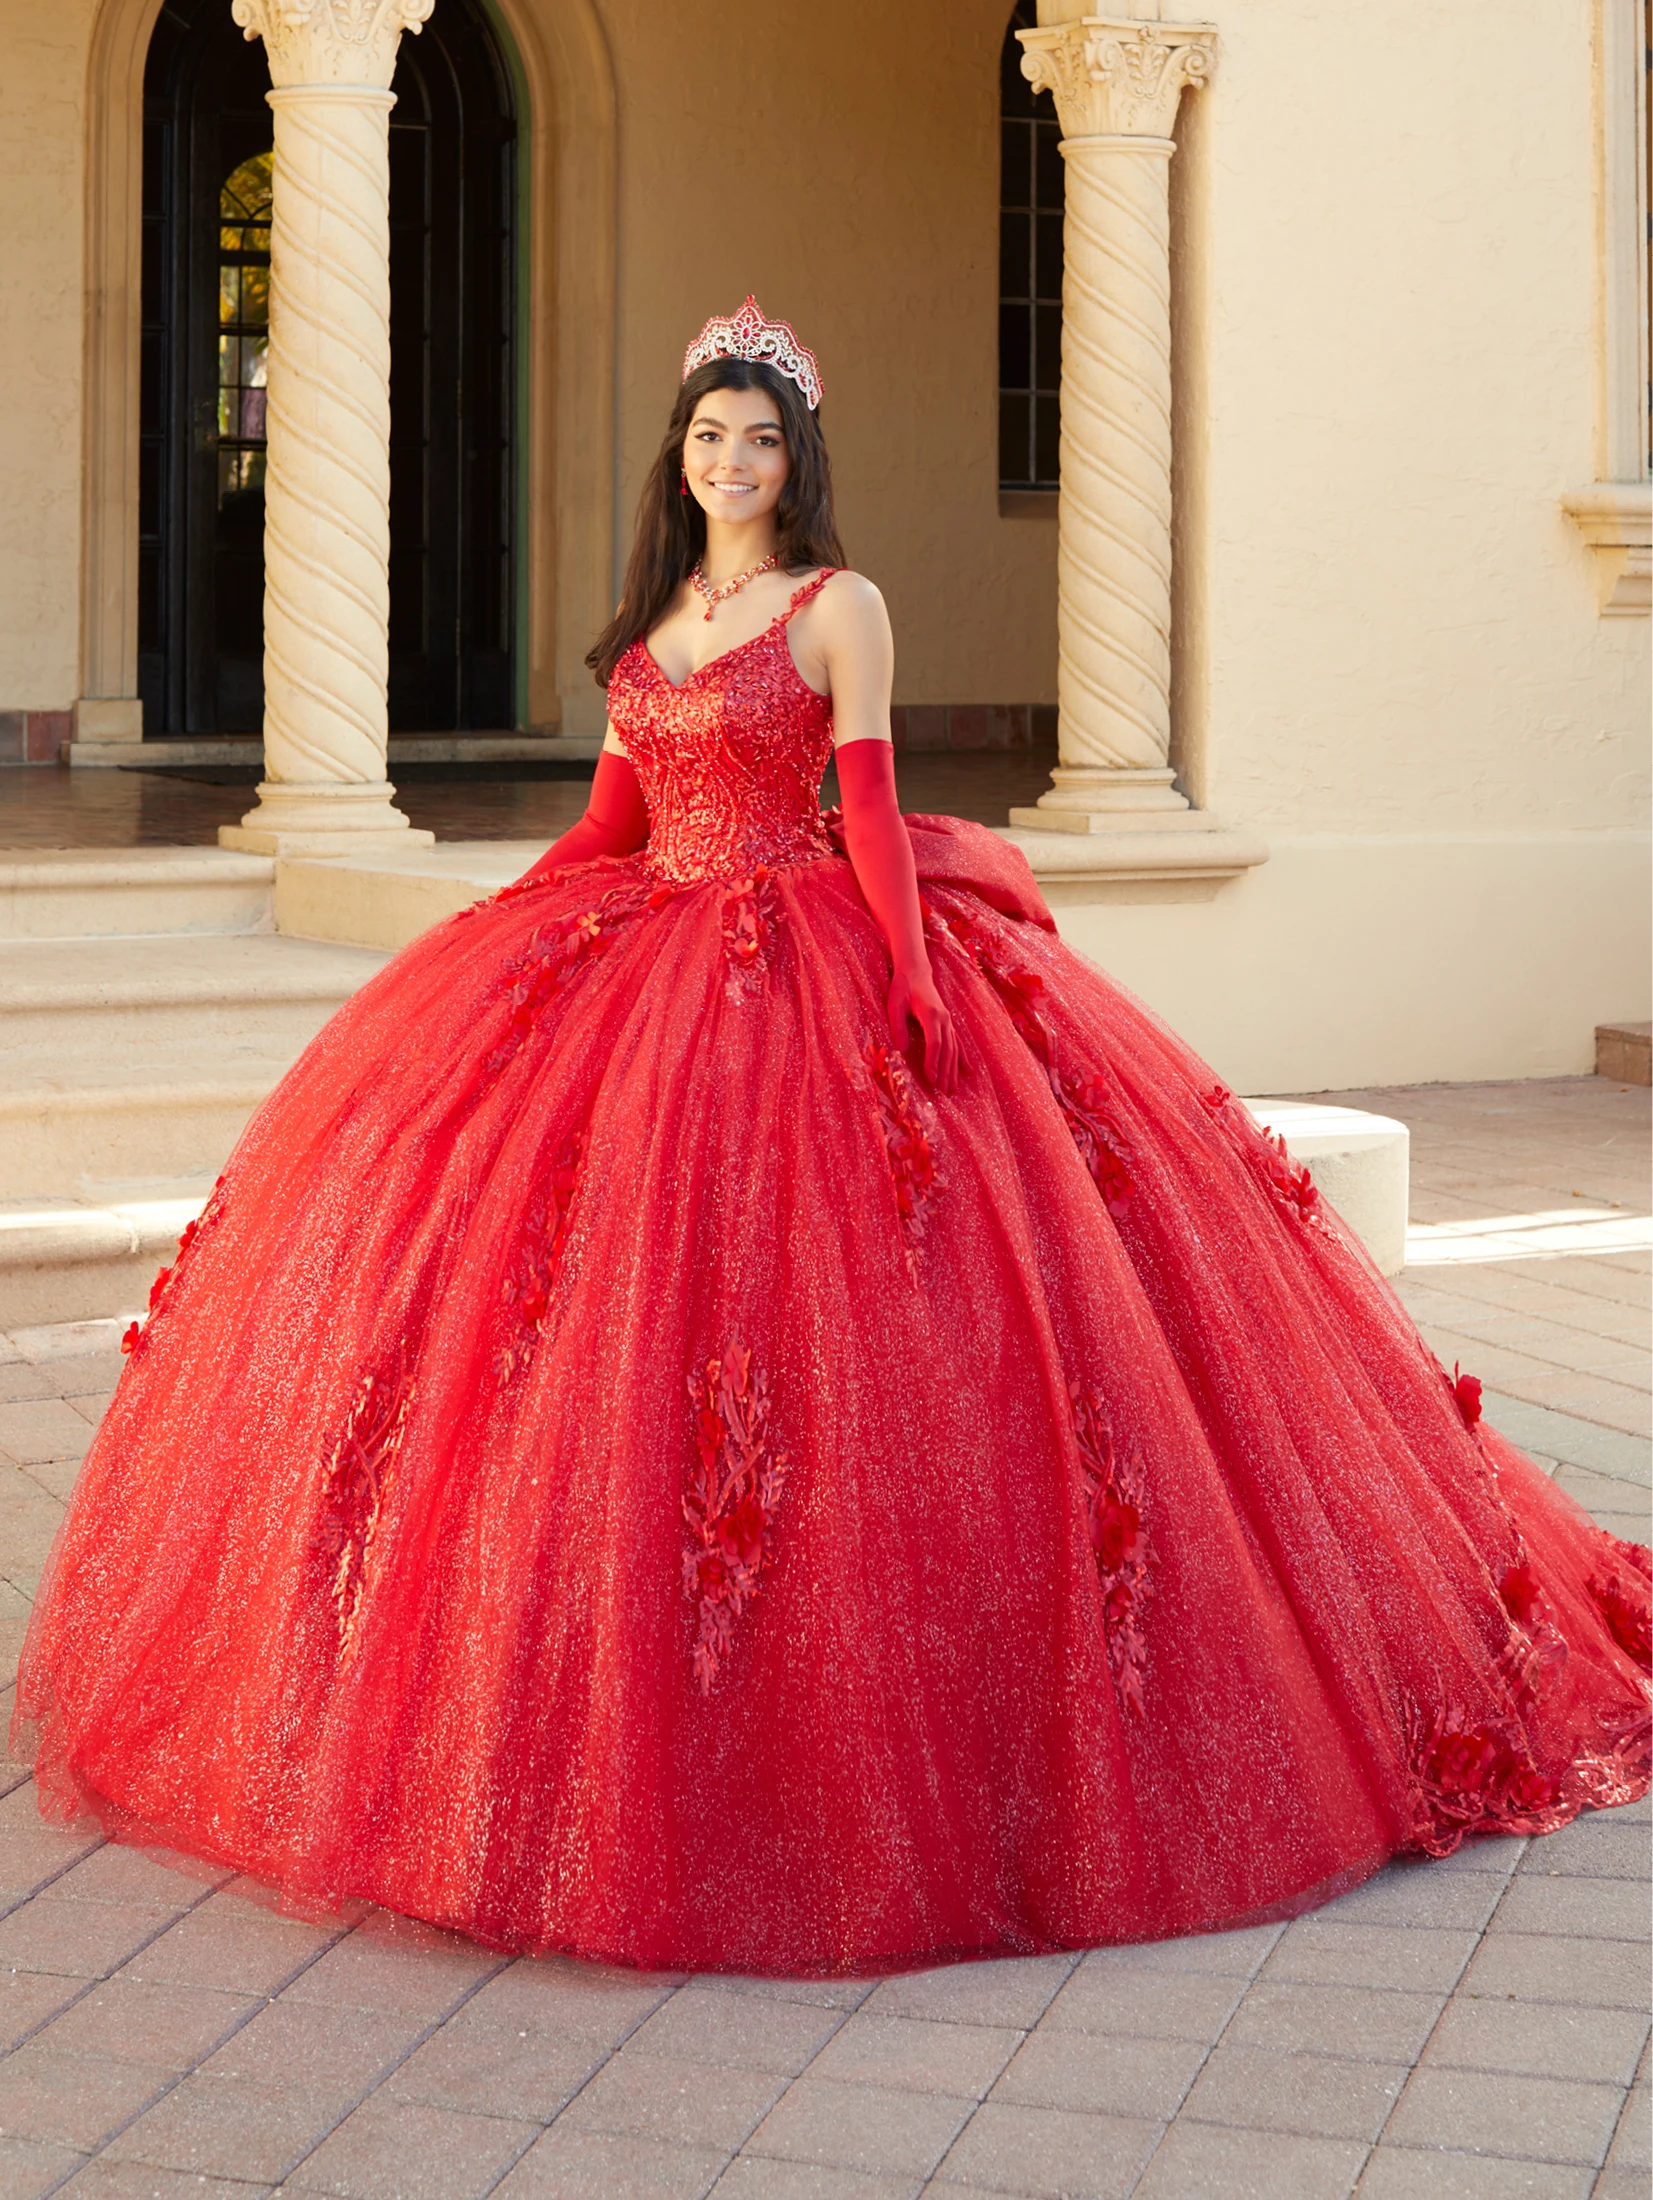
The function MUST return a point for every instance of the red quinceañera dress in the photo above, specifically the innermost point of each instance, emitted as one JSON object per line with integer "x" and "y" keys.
{"x": 620, "y": 1466}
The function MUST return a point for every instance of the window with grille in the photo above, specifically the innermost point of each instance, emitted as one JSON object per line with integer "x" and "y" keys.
{"x": 1030, "y": 273}
{"x": 243, "y": 324}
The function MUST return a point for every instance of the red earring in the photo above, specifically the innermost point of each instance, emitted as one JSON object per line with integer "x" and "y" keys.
{"x": 683, "y": 481}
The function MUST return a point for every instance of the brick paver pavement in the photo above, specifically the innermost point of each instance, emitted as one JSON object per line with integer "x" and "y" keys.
{"x": 1468, "y": 2030}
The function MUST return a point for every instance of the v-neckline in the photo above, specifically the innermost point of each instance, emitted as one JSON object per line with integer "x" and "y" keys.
{"x": 751, "y": 642}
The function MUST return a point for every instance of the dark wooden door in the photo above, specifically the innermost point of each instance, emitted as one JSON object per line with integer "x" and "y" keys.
{"x": 207, "y": 135}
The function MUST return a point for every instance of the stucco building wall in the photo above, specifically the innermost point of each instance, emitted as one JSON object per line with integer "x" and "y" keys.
{"x": 1396, "y": 666}
{"x": 42, "y": 121}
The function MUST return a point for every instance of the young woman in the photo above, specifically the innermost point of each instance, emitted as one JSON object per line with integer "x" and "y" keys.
{"x": 744, "y": 1407}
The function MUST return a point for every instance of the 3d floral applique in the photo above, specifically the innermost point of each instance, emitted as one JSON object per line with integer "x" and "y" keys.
{"x": 539, "y": 971}
{"x": 1620, "y": 1593}
{"x": 1078, "y": 1090}
{"x": 353, "y": 1492}
{"x": 729, "y": 1503}
{"x": 1114, "y": 1505}
{"x": 1474, "y": 1776}
{"x": 907, "y": 1123}
{"x": 527, "y": 1289}
{"x": 1535, "y": 1651}
{"x": 1290, "y": 1186}
{"x": 1466, "y": 1395}
{"x": 751, "y": 915}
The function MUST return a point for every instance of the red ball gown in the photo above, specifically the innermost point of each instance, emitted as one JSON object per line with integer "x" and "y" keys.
{"x": 621, "y": 1466}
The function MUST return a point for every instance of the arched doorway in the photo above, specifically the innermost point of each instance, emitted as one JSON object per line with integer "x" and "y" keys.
{"x": 453, "y": 145}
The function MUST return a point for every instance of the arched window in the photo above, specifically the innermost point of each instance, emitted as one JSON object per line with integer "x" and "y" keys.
{"x": 243, "y": 324}
{"x": 453, "y": 427}
{"x": 1030, "y": 272}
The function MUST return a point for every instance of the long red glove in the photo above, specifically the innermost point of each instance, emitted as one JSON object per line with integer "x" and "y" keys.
{"x": 616, "y": 820}
{"x": 883, "y": 858}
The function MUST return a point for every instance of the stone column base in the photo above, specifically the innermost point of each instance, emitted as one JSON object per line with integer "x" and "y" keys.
{"x": 1087, "y": 798}
{"x": 326, "y": 817}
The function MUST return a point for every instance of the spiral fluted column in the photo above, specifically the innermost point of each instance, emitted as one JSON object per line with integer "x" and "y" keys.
{"x": 1116, "y": 84}
{"x": 327, "y": 475}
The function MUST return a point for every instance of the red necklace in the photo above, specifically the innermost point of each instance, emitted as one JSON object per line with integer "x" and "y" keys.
{"x": 721, "y": 594}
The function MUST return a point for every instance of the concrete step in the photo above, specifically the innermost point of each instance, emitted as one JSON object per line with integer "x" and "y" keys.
{"x": 405, "y": 748}
{"x": 143, "y": 1058}
{"x": 92, "y": 893}
{"x": 84, "y": 1122}
{"x": 1624, "y": 1052}
{"x": 65, "y": 1260}
{"x": 115, "y": 1001}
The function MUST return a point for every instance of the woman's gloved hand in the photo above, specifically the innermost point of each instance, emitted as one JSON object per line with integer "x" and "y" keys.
{"x": 883, "y": 859}
{"x": 616, "y": 820}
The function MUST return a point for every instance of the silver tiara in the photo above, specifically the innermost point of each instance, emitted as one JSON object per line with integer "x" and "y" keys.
{"x": 747, "y": 335}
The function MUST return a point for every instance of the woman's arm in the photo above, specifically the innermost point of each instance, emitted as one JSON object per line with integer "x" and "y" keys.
{"x": 851, "y": 631}
{"x": 616, "y": 819}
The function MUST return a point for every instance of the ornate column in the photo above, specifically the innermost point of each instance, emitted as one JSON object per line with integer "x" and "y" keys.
{"x": 327, "y": 479}
{"x": 1116, "y": 82}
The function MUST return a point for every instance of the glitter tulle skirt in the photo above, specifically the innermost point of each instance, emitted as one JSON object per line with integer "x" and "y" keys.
{"x": 621, "y": 1468}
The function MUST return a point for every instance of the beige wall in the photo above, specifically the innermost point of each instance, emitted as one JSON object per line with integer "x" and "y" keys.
{"x": 1392, "y": 659}
{"x": 1402, "y": 372}
{"x": 843, "y": 162}
{"x": 42, "y": 84}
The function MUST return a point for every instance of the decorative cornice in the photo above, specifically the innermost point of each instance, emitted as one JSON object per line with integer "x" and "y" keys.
{"x": 1616, "y": 520}
{"x": 334, "y": 42}
{"x": 1115, "y": 77}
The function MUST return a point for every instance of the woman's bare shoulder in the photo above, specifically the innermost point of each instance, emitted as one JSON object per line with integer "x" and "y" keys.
{"x": 850, "y": 604}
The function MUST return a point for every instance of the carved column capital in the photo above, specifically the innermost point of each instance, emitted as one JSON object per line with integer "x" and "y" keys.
{"x": 1113, "y": 76}
{"x": 315, "y": 42}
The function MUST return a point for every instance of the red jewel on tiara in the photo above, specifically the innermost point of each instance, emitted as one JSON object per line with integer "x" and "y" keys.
{"x": 747, "y": 335}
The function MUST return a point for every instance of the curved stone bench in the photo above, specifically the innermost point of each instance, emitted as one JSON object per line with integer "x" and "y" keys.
{"x": 1358, "y": 1162}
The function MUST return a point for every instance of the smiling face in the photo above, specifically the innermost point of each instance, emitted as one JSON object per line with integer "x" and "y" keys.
{"x": 735, "y": 456}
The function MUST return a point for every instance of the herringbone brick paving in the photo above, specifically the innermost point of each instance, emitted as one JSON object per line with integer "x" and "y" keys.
{"x": 1468, "y": 2030}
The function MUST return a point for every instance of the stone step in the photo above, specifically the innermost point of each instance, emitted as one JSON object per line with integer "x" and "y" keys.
{"x": 405, "y": 748}
{"x": 93, "y": 893}
{"x": 77, "y": 1125}
{"x": 66, "y": 1260}
{"x": 143, "y": 1058}
{"x": 1624, "y": 1052}
{"x": 114, "y": 1003}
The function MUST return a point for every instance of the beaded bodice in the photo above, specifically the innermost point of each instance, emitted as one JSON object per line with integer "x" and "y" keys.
{"x": 730, "y": 763}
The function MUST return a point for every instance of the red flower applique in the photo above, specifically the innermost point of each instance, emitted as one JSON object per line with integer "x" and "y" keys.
{"x": 353, "y": 1488}
{"x": 1522, "y": 1598}
{"x": 907, "y": 1122}
{"x": 1474, "y": 1779}
{"x": 1097, "y": 1136}
{"x": 528, "y": 1288}
{"x": 552, "y": 957}
{"x": 130, "y": 1335}
{"x": 1119, "y": 1543}
{"x": 1270, "y": 1158}
{"x": 1622, "y": 1601}
{"x": 1466, "y": 1392}
{"x": 1294, "y": 1188}
{"x": 1079, "y": 1093}
{"x": 734, "y": 1488}
{"x": 750, "y": 918}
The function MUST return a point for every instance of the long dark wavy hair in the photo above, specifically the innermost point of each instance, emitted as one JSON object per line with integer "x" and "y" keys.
{"x": 671, "y": 528}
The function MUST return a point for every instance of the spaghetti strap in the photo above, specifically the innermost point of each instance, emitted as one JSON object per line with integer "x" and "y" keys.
{"x": 809, "y": 591}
